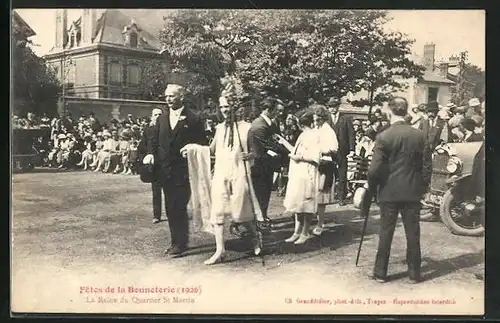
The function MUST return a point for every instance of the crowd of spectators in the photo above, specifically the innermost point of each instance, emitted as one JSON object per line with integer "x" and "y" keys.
{"x": 112, "y": 147}
{"x": 86, "y": 142}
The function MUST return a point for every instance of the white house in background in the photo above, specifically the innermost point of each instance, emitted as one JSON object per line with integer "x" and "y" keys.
{"x": 434, "y": 85}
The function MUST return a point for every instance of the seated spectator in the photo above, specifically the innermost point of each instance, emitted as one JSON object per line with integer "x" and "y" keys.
{"x": 45, "y": 121}
{"x": 124, "y": 153}
{"x": 104, "y": 155}
{"x": 31, "y": 121}
{"x": 133, "y": 159}
{"x": 54, "y": 153}
{"x": 89, "y": 152}
{"x": 115, "y": 156}
{"x": 64, "y": 151}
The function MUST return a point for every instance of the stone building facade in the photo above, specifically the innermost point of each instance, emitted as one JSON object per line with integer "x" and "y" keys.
{"x": 100, "y": 55}
{"x": 99, "y": 58}
{"x": 433, "y": 86}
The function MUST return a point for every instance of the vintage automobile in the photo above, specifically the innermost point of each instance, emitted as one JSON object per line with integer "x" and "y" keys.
{"x": 450, "y": 196}
{"x": 27, "y": 150}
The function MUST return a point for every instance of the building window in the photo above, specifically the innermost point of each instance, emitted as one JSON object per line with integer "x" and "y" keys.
{"x": 133, "y": 40}
{"x": 115, "y": 73}
{"x": 432, "y": 94}
{"x": 133, "y": 74}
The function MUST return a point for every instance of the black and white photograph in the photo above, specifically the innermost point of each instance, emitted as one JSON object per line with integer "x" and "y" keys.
{"x": 247, "y": 161}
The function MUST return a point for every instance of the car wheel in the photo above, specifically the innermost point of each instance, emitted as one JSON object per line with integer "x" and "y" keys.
{"x": 455, "y": 218}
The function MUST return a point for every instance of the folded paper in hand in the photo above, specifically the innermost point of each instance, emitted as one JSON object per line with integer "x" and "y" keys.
{"x": 327, "y": 158}
{"x": 284, "y": 142}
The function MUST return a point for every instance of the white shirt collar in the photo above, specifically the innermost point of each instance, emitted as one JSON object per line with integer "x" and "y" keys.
{"x": 269, "y": 122}
{"x": 176, "y": 112}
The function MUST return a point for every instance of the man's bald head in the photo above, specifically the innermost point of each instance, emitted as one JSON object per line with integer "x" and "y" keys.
{"x": 174, "y": 96}
{"x": 398, "y": 106}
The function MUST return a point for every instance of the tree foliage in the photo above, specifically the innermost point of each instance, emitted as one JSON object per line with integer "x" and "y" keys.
{"x": 35, "y": 85}
{"x": 153, "y": 80}
{"x": 469, "y": 83}
{"x": 296, "y": 55}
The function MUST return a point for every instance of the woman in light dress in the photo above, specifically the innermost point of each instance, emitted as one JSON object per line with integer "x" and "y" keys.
{"x": 328, "y": 148}
{"x": 303, "y": 179}
{"x": 232, "y": 194}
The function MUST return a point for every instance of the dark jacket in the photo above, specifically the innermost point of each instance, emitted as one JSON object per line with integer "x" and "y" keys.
{"x": 345, "y": 134}
{"x": 146, "y": 140}
{"x": 433, "y": 134}
{"x": 165, "y": 144}
{"x": 401, "y": 165}
{"x": 474, "y": 137}
{"x": 260, "y": 140}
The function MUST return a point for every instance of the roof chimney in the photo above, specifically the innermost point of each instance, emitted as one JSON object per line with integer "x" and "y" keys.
{"x": 443, "y": 69}
{"x": 429, "y": 54}
{"x": 61, "y": 28}
{"x": 89, "y": 18}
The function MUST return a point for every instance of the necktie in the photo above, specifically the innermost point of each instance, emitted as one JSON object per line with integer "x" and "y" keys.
{"x": 230, "y": 130}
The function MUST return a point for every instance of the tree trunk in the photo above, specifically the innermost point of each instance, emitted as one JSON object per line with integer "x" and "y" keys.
{"x": 371, "y": 102}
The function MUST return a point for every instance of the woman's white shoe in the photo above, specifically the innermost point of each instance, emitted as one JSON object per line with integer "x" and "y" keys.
{"x": 216, "y": 258}
{"x": 303, "y": 239}
{"x": 318, "y": 231}
{"x": 293, "y": 238}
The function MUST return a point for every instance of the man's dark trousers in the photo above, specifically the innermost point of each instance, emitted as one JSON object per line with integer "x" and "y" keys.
{"x": 410, "y": 213}
{"x": 342, "y": 176}
{"x": 157, "y": 192}
{"x": 262, "y": 182}
{"x": 176, "y": 200}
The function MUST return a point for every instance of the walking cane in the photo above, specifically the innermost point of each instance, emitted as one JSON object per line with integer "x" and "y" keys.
{"x": 366, "y": 203}
{"x": 259, "y": 233}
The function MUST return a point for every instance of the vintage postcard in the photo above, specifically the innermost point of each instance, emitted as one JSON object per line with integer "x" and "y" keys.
{"x": 248, "y": 161}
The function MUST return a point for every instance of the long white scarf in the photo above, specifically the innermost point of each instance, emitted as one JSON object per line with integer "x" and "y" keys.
{"x": 200, "y": 180}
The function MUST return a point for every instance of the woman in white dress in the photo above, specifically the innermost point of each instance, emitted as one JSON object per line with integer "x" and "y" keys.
{"x": 232, "y": 194}
{"x": 328, "y": 145}
{"x": 303, "y": 179}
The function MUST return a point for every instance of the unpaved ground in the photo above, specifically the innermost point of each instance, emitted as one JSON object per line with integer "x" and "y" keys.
{"x": 73, "y": 230}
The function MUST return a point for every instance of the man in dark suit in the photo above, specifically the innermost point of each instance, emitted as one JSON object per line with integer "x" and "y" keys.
{"x": 173, "y": 130}
{"x": 147, "y": 137}
{"x": 401, "y": 169}
{"x": 435, "y": 125}
{"x": 342, "y": 125}
{"x": 266, "y": 152}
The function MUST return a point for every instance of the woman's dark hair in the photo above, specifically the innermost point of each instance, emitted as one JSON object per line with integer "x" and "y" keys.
{"x": 268, "y": 103}
{"x": 306, "y": 118}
